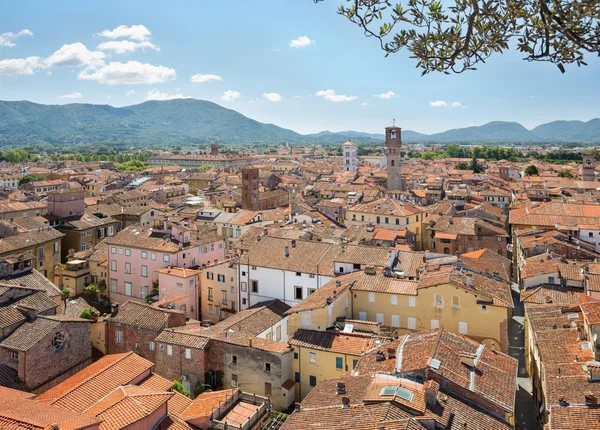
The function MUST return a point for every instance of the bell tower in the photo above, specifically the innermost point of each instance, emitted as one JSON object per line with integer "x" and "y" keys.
{"x": 393, "y": 145}
{"x": 589, "y": 167}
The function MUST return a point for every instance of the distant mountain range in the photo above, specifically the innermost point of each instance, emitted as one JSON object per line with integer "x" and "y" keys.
{"x": 200, "y": 122}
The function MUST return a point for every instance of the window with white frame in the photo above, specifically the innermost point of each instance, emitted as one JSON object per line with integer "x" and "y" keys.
{"x": 395, "y": 321}
{"x": 113, "y": 285}
{"x": 435, "y": 323}
{"x": 166, "y": 258}
{"x": 169, "y": 350}
{"x": 394, "y": 299}
{"x": 412, "y": 302}
{"x": 152, "y": 346}
{"x": 113, "y": 265}
{"x": 144, "y": 254}
{"x": 188, "y": 354}
{"x": 113, "y": 249}
{"x": 128, "y": 288}
{"x": 456, "y": 302}
{"x": 144, "y": 271}
{"x": 371, "y": 297}
{"x": 462, "y": 327}
{"x": 153, "y": 256}
{"x": 119, "y": 337}
{"x": 438, "y": 300}
{"x": 120, "y": 251}
{"x": 312, "y": 358}
{"x": 412, "y": 323}
{"x": 127, "y": 268}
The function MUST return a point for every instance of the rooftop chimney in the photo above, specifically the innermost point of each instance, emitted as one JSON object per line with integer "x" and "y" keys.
{"x": 345, "y": 402}
{"x": 341, "y": 388}
{"x": 287, "y": 251}
{"x": 250, "y": 342}
{"x": 297, "y": 407}
{"x": 379, "y": 356}
{"x": 431, "y": 390}
{"x": 338, "y": 283}
{"x": 468, "y": 359}
{"x": 293, "y": 243}
{"x": 114, "y": 309}
{"x": 590, "y": 399}
{"x": 469, "y": 280}
{"x": 391, "y": 353}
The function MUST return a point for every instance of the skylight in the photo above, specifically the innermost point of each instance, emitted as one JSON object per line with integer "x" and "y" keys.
{"x": 401, "y": 392}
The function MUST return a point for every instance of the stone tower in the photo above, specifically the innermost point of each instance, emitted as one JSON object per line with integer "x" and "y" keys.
{"x": 350, "y": 160}
{"x": 393, "y": 144}
{"x": 214, "y": 149}
{"x": 589, "y": 167}
{"x": 250, "y": 188}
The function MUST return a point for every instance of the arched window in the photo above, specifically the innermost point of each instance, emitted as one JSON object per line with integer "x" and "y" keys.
{"x": 393, "y": 163}
{"x": 393, "y": 134}
{"x": 58, "y": 341}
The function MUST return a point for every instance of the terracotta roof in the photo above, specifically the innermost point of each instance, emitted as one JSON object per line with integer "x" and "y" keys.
{"x": 30, "y": 333}
{"x": 550, "y": 293}
{"x": 19, "y": 412}
{"x": 439, "y": 351}
{"x": 156, "y": 383}
{"x": 143, "y": 316}
{"x": 387, "y": 206}
{"x": 379, "y": 283}
{"x": 335, "y": 341}
{"x": 591, "y": 312}
{"x": 186, "y": 339}
{"x": 576, "y": 417}
{"x": 327, "y": 293}
{"x": 203, "y": 404}
{"x": 80, "y": 391}
{"x": 126, "y": 405}
{"x": 497, "y": 292}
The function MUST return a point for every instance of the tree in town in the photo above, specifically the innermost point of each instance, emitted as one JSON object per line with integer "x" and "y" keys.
{"x": 531, "y": 170}
{"x": 178, "y": 386}
{"x": 455, "y": 36}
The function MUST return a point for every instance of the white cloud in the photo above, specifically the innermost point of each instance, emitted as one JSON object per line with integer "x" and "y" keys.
{"x": 132, "y": 72}
{"x": 364, "y": 104}
{"x": 75, "y": 55}
{"x": 19, "y": 66}
{"x": 130, "y": 93}
{"x": 438, "y": 103}
{"x": 272, "y": 97}
{"x": 456, "y": 105}
{"x": 333, "y": 97}
{"x": 76, "y": 95}
{"x": 135, "y": 32}
{"x": 49, "y": 73}
{"x": 6, "y": 39}
{"x": 387, "y": 95}
{"x": 230, "y": 96}
{"x": 301, "y": 42}
{"x": 124, "y": 46}
{"x": 200, "y": 78}
{"x": 157, "y": 95}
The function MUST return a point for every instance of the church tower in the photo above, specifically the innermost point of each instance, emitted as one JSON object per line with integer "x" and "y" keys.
{"x": 350, "y": 159}
{"x": 589, "y": 167}
{"x": 393, "y": 144}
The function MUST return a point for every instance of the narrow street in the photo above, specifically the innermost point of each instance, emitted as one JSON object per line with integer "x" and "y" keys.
{"x": 524, "y": 405}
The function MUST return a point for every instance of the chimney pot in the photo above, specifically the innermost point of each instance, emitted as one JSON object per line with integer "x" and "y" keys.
{"x": 297, "y": 407}
{"x": 341, "y": 388}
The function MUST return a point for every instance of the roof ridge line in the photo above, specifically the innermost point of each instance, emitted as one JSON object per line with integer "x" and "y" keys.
{"x": 127, "y": 354}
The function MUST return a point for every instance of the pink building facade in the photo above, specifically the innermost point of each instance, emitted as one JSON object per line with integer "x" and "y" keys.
{"x": 136, "y": 254}
{"x": 179, "y": 289}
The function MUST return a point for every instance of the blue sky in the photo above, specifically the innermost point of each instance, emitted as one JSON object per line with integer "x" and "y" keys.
{"x": 125, "y": 52}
